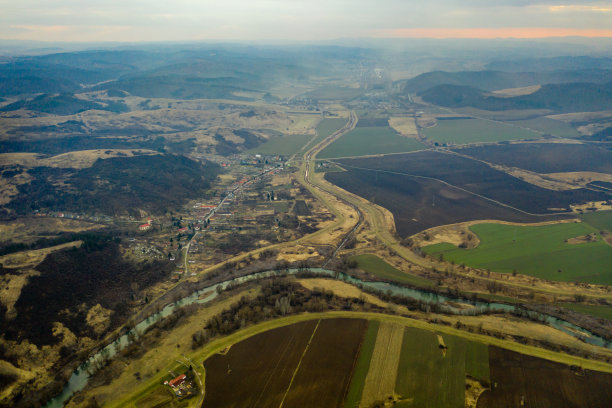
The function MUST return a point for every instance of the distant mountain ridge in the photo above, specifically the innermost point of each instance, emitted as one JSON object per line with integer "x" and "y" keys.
{"x": 495, "y": 80}
{"x": 572, "y": 97}
{"x": 569, "y": 63}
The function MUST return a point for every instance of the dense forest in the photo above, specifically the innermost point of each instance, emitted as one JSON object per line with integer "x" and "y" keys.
{"x": 116, "y": 186}
{"x": 97, "y": 272}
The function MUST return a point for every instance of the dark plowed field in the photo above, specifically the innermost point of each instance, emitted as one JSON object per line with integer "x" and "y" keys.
{"x": 257, "y": 372}
{"x": 542, "y": 384}
{"x": 418, "y": 204}
{"x": 370, "y": 122}
{"x": 547, "y": 157}
{"x": 415, "y": 188}
{"x": 326, "y": 370}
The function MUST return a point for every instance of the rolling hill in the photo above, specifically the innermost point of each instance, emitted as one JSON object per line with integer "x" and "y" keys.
{"x": 494, "y": 80}
{"x": 572, "y": 97}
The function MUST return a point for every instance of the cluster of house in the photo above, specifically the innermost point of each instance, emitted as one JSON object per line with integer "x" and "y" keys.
{"x": 147, "y": 226}
{"x": 178, "y": 384}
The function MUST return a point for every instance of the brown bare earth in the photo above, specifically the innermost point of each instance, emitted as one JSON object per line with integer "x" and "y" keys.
{"x": 404, "y": 125}
{"x": 579, "y": 178}
{"x": 33, "y": 257}
{"x": 341, "y": 289}
{"x": 77, "y": 159}
{"x": 512, "y": 92}
{"x": 324, "y": 375}
{"x": 11, "y": 285}
{"x": 599, "y": 205}
{"x": 257, "y": 371}
{"x": 473, "y": 390}
{"x": 380, "y": 381}
{"x": 28, "y": 229}
{"x": 582, "y": 239}
{"x": 547, "y": 181}
{"x": 457, "y": 233}
{"x": 520, "y": 380}
{"x": 307, "y": 364}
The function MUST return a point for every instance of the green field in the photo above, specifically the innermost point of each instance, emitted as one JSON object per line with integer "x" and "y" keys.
{"x": 327, "y": 127}
{"x": 536, "y": 251}
{"x": 465, "y": 131}
{"x": 602, "y": 311}
{"x": 285, "y": 145}
{"x": 426, "y": 377}
{"x": 549, "y": 126}
{"x": 335, "y": 93}
{"x": 477, "y": 360}
{"x": 601, "y": 220}
{"x": 281, "y": 206}
{"x": 362, "y": 366}
{"x": 378, "y": 267}
{"x": 364, "y": 141}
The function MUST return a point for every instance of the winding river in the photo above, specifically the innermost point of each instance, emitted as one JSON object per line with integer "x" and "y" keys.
{"x": 81, "y": 375}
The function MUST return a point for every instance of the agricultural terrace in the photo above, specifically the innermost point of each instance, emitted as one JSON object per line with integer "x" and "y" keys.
{"x": 568, "y": 252}
{"x": 466, "y": 131}
{"x": 373, "y": 265}
{"x": 370, "y": 140}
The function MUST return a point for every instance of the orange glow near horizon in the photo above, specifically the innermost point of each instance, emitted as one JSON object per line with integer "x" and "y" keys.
{"x": 490, "y": 33}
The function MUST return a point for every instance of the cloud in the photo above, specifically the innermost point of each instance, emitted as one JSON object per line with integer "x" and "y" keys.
{"x": 155, "y": 20}
{"x": 509, "y": 32}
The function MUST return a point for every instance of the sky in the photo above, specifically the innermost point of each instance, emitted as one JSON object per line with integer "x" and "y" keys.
{"x": 299, "y": 20}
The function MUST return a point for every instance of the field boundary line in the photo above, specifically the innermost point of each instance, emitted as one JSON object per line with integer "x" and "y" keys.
{"x": 453, "y": 186}
{"x": 275, "y": 367}
{"x": 299, "y": 363}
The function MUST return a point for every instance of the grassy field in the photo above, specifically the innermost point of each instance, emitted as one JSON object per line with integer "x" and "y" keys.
{"x": 602, "y": 220}
{"x": 141, "y": 389}
{"x": 335, "y": 93}
{"x": 428, "y": 378}
{"x": 604, "y": 312}
{"x": 465, "y": 131}
{"x": 380, "y": 381}
{"x": 477, "y": 360}
{"x": 285, "y": 145}
{"x": 362, "y": 366}
{"x": 327, "y": 127}
{"x": 549, "y": 126}
{"x": 363, "y": 141}
{"x": 378, "y": 267}
{"x": 536, "y": 251}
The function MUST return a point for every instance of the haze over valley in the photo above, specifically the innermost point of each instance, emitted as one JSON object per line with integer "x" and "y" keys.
{"x": 364, "y": 206}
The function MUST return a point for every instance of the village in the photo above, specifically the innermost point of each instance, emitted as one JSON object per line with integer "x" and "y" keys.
{"x": 255, "y": 202}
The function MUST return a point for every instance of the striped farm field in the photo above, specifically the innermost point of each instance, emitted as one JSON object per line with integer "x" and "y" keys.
{"x": 366, "y": 361}
{"x": 307, "y": 364}
{"x": 380, "y": 381}
{"x": 363, "y": 365}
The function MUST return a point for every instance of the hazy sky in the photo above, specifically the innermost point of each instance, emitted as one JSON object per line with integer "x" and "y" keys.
{"x": 159, "y": 20}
